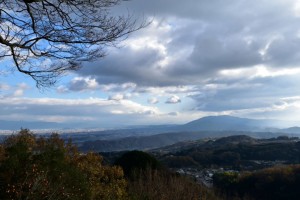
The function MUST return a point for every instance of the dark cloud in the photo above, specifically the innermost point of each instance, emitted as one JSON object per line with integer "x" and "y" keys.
{"x": 173, "y": 114}
{"x": 230, "y": 52}
{"x": 203, "y": 37}
{"x": 192, "y": 42}
{"x": 246, "y": 93}
{"x": 284, "y": 51}
{"x": 126, "y": 66}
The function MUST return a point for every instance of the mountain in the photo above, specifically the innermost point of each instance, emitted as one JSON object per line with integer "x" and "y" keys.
{"x": 140, "y": 142}
{"x": 210, "y": 123}
{"x": 225, "y": 122}
{"x": 221, "y": 123}
{"x": 291, "y": 130}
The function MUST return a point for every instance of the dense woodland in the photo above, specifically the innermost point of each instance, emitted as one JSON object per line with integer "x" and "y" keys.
{"x": 38, "y": 168}
{"x": 234, "y": 152}
{"x": 272, "y": 183}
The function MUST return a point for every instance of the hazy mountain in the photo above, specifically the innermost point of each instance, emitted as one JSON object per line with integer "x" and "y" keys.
{"x": 210, "y": 123}
{"x": 141, "y": 142}
{"x": 216, "y": 126}
{"x": 226, "y": 122}
{"x": 161, "y": 140}
{"x": 291, "y": 130}
{"x": 149, "y": 137}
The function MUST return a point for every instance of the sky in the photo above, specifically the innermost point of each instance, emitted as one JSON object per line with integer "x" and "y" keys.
{"x": 196, "y": 58}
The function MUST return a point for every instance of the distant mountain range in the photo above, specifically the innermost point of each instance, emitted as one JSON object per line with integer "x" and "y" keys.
{"x": 221, "y": 123}
{"x": 210, "y": 123}
{"x": 149, "y": 137}
{"x": 226, "y": 122}
{"x": 161, "y": 140}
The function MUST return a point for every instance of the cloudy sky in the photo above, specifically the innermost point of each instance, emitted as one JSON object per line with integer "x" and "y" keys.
{"x": 196, "y": 58}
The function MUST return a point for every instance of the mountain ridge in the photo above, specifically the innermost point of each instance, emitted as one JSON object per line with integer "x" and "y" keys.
{"x": 208, "y": 123}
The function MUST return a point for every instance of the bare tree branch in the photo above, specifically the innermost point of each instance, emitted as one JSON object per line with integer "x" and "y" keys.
{"x": 46, "y": 38}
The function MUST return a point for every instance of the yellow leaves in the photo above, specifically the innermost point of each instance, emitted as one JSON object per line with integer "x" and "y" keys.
{"x": 105, "y": 182}
{"x": 24, "y": 137}
{"x": 48, "y": 168}
{"x": 90, "y": 163}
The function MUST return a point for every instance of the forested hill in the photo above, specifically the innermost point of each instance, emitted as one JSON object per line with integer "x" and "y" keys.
{"x": 236, "y": 152}
{"x": 161, "y": 140}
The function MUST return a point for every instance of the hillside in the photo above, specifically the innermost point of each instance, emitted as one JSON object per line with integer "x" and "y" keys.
{"x": 141, "y": 142}
{"x": 235, "y": 152}
{"x": 161, "y": 140}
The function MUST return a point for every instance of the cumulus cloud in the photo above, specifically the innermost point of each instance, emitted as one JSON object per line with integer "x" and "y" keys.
{"x": 80, "y": 84}
{"x": 116, "y": 97}
{"x": 184, "y": 46}
{"x": 173, "y": 100}
{"x": 153, "y": 100}
{"x": 239, "y": 58}
{"x": 242, "y": 92}
{"x": 93, "y": 111}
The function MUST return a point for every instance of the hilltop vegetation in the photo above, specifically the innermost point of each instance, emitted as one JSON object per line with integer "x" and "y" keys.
{"x": 38, "y": 168}
{"x": 47, "y": 168}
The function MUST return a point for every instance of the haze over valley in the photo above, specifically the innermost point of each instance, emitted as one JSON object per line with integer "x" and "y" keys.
{"x": 155, "y": 136}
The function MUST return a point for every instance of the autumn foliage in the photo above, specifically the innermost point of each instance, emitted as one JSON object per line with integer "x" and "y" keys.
{"x": 48, "y": 168}
{"x": 38, "y": 168}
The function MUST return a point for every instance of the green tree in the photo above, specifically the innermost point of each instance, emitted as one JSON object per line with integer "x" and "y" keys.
{"x": 135, "y": 161}
{"x": 149, "y": 180}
